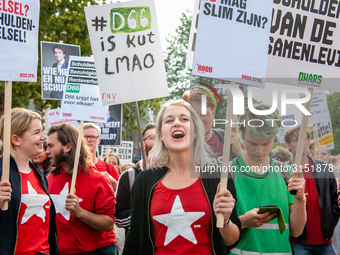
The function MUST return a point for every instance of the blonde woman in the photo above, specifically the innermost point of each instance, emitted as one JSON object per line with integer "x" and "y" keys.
{"x": 174, "y": 207}
{"x": 28, "y": 226}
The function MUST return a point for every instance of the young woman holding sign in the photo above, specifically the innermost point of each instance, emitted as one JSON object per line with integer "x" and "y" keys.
{"x": 174, "y": 207}
{"x": 28, "y": 226}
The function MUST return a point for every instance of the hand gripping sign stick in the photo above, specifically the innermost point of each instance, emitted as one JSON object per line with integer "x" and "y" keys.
{"x": 76, "y": 159}
{"x": 301, "y": 141}
{"x": 226, "y": 152}
{"x": 7, "y": 136}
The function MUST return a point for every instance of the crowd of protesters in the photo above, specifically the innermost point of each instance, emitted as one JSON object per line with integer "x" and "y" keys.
{"x": 164, "y": 205}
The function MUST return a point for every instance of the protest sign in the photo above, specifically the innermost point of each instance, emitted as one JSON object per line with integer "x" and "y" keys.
{"x": 232, "y": 41}
{"x": 288, "y": 121}
{"x": 53, "y": 117}
{"x": 111, "y": 131}
{"x": 192, "y": 37}
{"x": 124, "y": 151}
{"x": 127, "y": 50}
{"x": 81, "y": 95}
{"x": 54, "y": 68}
{"x": 304, "y": 45}
{"x": 325, "y": 134}
{"x": 19, "y": 23}
{"x": 318, "y": 108}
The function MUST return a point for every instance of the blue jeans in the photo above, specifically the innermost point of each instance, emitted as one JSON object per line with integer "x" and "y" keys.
{"x": 322, "y": 249}
{"x": 108, "y": 250}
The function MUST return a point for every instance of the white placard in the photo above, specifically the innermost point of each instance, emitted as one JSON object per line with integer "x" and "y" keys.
{"x": 325, "y": 133}
{"x": 81, "y": 99}
{"x": 304, "y": 47}
{"x": 288, "y": 122}
{"x": 192, "y": 37}
{"x": 53, "y": 117}
{"x": 124, "y": 151}
{"x": 19, "y": 24}
{"x": 318, "y": 108}
{"x": 127, "y": 50}
{"x": 232, "y": 41}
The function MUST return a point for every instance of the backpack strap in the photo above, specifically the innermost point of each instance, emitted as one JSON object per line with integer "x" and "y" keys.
{"x": 107, "y": 167}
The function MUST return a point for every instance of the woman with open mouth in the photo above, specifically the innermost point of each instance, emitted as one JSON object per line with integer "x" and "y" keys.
{"x": 174, "y": 206}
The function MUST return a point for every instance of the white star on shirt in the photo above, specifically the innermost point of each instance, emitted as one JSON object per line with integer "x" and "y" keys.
{"x": 35, "y": 204}
{"x": 59, "y": 202}
{"x": 178, "y": 222}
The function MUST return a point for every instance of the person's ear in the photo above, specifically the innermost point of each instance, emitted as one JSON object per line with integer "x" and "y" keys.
{"x": 68, "y": 147}
{"x": 160, "y": 137}
{"x": 213, "y": 112}
{"x": 15, "y": 139}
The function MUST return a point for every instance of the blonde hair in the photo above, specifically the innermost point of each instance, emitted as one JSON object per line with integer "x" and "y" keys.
{"x": 92, "y": 125}
{"x": 159, "y": 155}
{"x": 20, "y": 120}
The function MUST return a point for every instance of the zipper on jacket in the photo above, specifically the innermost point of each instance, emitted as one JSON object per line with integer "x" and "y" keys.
{"x": 211, "y": 217}
{"x": 17, "y": 223}
{"x": 149, "y": 203}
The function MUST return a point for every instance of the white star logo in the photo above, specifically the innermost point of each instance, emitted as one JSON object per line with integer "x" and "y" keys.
{"x": 59, "y": 202}
{"x": 178, "y": 222}
{"x": 35, "y": 204}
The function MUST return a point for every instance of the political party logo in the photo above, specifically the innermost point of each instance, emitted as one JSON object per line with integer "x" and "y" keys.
{"x": 72, "y": 88}
{"x": 310, "y": 78}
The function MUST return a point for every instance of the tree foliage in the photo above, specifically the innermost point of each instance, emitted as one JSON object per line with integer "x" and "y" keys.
{"x": 333, "y": 100}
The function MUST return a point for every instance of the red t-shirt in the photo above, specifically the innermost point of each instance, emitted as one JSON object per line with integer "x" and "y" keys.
{"x": 101, "y": 167}
{"x": 34, "y": 217}
{"x": 107, "y": 237}
{"x": 95, "y": 195}
{"x": 313, "y": 225}
{"x": 181, "y": 220}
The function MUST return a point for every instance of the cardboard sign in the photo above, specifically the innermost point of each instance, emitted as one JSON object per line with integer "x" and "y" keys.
{"x": 304, "y": 45}
{"x": 232, "y": 41}
{"x": 325, "y": 134}
{"x": 81, "y": 95}
{"x": 127, "y": 51}
{"x": 124, "y": 151}
{"x": 19, "y": 24}
{"x": 54, "y": 67}
{"x": 318, "y": 108}
{"x": 111, "y": 131}
{"x": 53, "y": 117}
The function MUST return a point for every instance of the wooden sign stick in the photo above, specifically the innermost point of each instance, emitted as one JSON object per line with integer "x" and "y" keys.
{"x": 317, "y": 139}
{"x": 302, "y": 137}
{"x": 107, "y": 153}
{"x": 76, "y": 159}
{"x": 226, "y": 151}
{"x": 7, "y": 136}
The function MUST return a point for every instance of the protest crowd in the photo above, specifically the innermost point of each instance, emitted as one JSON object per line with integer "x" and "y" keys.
{"x": 164, "y": 205}
{"x": 195, "y": 188}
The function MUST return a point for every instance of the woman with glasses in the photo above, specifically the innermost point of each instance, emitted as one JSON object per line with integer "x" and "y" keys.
{"x": 174, "y": 206}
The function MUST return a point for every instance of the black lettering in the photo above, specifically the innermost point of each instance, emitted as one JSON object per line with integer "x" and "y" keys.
{"x": 130, "y": 42}
{"x": 152, "y": 60}
{"x": 121, "y": 61}
{"x": 107, "y": 67}
{"x": 136, "y": 62}
{"x": 113, "y": 45}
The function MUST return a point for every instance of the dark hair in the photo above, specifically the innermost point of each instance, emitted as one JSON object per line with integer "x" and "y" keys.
{"x": 68, "y": 134}
{"x": 293, "y": 132}
{"x": 150, "y": 126}
{"x": 59, "y": 47}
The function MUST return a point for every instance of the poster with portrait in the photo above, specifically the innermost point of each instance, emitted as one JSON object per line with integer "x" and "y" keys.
{"x": 111, "y": 131}
{"x": 54, "y": 68}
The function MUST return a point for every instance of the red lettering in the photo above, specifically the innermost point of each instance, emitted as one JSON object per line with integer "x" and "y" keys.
{"x": 199, "y": 68}
{"x": 10, "y": 6}
{"x": 16, "y": 7}
{"x": 67, "y": 114}
{"x": 210, "y": 69}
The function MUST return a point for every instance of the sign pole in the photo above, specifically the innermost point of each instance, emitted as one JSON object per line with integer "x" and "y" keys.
{"x": 226, "y": 152}
{"x": 140, "y": 134}
{"x": 76, "y": 159}
{"x": 7, "y": 136}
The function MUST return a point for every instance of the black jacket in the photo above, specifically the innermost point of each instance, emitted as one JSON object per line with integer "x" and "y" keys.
{"x": 326, "y": 185}
{"x": 123, "y": 204}
{"x": 9, "y": 219}
{"x": 139, "y": 239}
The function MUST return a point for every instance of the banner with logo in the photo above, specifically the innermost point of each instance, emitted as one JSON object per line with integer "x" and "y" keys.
{"x": 19, "y": 24}
{"x": 54, "y": 119}
{"x": 124, "y": 151}
{"x": 81, "y": 99}
{"x": 304, "y": 47}
{"x": 111, "y": 130}
{"x": 54, "y": 67}
{"x": 127, "y": 50}
{"x": 232, "y": 41}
